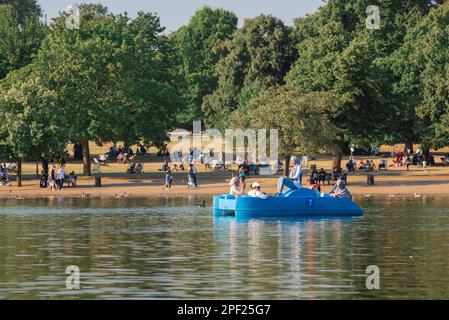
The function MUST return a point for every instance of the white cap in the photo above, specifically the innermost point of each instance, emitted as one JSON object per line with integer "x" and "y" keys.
{"x": 255, "y": 185}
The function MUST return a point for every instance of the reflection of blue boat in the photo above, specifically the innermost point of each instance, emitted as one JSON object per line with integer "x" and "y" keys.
{"x": 291, "y": 203}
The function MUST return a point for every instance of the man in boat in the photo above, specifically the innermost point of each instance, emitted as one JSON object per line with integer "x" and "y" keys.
{"x": 340, "y": 190}
{"x": 294, "y": 181}
{"x": 255, "y": 191}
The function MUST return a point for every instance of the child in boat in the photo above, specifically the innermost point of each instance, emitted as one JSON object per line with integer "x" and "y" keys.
{"x": 312, "y": 185}
{"x": 255, "y": 191}
{"x": 340, "y": 191}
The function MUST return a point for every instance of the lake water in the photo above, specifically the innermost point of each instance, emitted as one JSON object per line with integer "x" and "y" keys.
{"x": 171, "y": 248}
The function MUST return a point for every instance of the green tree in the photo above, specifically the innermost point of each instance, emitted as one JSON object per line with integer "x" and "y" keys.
{"x": 338, "y": 54}
{"x": 201, "y": 45}
{"x": 21, "y": 33}
{"x": 31, "y": 125}
{"x": 302, "y": 119}
{"x": 421, "y": 65}
{"x": 24, "y": 9}
{"x": 109, "y": 76}
{"x": 259, "y": 53}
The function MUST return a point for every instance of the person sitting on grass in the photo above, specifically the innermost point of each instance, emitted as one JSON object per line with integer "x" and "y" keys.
{"x": 72, "y": 180}
{"x": 131, "y": 168}
{"x": 255, "y": 191}
{"x": 340, "y": 190}
{"x": 322, "y": 176}
{"x": 139, "y": 168}
{"x": 336, "y": 174}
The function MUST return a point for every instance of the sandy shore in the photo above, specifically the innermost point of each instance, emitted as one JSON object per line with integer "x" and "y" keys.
{"x": 391, "y": 183}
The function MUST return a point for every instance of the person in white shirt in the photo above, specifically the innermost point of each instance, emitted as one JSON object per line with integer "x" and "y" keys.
{"x": 255, "y": 191}
{"x": 61, "y": 177}
{"x": 235, "y": 190}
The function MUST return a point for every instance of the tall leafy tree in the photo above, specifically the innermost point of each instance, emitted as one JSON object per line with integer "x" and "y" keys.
{"x": 201, "y": 45}
{"x": 21, "y": 33}
{"x": 24, "y": 9}
{"x": 31, "y": 124}
{"x": 338, "y": 54}
{"x": 422, "y": 65}
{"x": 302, "y": 119}
{"x": 110, "y": 79}
{"x": 259, "y": 54}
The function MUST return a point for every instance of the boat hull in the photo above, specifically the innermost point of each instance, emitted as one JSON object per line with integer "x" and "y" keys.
{"x": 303, "y": 204}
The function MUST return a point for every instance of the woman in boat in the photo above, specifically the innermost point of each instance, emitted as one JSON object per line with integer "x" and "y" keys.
{"x": 340, "y": 190}
{"x": 235, "y": 184}
{"x": 294, "y": 181}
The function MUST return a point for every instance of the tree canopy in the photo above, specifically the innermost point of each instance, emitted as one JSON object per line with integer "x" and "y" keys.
{"x": 20, "y": 35}
{"x": 259, "y": 54}
{"x": 201, "y": 46}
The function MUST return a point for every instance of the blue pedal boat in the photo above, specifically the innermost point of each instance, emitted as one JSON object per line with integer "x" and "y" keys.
{"x": 291, "y": 203}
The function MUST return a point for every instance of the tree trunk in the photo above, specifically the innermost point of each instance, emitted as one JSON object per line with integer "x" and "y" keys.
{"x": 287, "y": 165}
{"x": 19, "y": 173}
{"x": 338, "y": 156}
{"x": 86, "y": 159}
{"x": 409, "y": 146}
{"x": 78, "y": 151}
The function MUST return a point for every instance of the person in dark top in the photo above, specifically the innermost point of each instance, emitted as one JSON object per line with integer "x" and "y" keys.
{"x": 322, "y": 176}
{"x": 53, "y": 173}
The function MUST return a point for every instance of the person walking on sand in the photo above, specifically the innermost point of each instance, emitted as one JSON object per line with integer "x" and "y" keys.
{"x": 192, "y": 177}
{"x": 53, "y": 178}
{"x": 60, "y": 177}
{"x": 168, "y": 179}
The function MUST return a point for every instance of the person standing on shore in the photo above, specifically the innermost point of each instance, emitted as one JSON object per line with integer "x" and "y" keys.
{"x": 53, "y": 178}
{"x": 168, "y": 179}
{"x": 60, "y": 177}
{"x": 192, "y": 176}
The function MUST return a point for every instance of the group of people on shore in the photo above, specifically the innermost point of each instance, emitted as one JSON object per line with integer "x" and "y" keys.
{"x": 55, "y": 177}
{"x": 192, "y": 181}
{"x": 125, "y": 155}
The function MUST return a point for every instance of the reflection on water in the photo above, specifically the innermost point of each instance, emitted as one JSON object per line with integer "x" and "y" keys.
{"x": 171, "y": 248}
